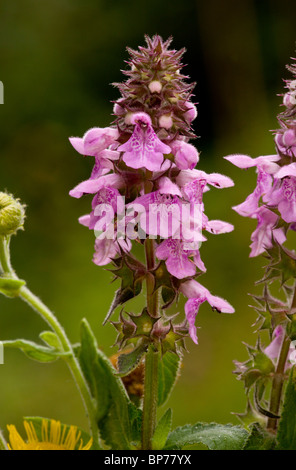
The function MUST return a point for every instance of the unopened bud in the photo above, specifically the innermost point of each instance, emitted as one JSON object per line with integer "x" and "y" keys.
{"x": 12, "y": 214}
{"x": 155, "y": 86}
{"x": 289, "y": 100}
{"x": 191, "y": 114}
{"x": 165, "y": 121}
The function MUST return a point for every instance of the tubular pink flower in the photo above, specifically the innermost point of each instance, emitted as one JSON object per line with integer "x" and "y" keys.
{"x": 262, "y": 237}
{"x": 106, "y": 249}
{"x": 273, "y": 349}
{"x": 186, "y": 155}
{"x": 249, "y": 207}
{"x": 286, "y": 142}
{"x": 92, "y": 186}
{"x": 144, "y": 149}
{"x": 95, "y": 140}
{"x": 176, "y": 254}
{"x": 160, "y": 213}
{"x": 107, "y": 197}
{"x": 265, "y": 163}
{"x": 214, "y": 179}
{"x": 197, "y": 294}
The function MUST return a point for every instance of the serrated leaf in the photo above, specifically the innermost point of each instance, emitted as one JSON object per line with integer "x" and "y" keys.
{"x": 162, "y": 430}
{"x": 168, "y": 369}
{"x": 34, "y": 351}
{"x": 286, "y": 435}
{"x": 112, "y": 402}
{"x": 214, "y": 436}
{"x": 37, "y": 423}
{"x": 259, "y": 439}
{"x": 127, "y": 362}
{"x": 10, "y": 287}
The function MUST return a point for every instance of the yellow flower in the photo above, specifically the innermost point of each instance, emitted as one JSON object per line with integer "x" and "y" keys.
{"x": 54, "y": 436}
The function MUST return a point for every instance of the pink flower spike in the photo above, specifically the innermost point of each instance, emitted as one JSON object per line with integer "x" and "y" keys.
{"x": 144, "y": 149}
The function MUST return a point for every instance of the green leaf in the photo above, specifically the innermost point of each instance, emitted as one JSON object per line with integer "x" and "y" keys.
{"x": 37, "y": 423}
{"x": 214, "y": 436}
{"x": 135, "y": 417}
{"x": 10, "y": 287}
{"x": 162, "y": 430}
{"x": 50, "y": 338}
{"x": 113, "y": 414}
{"x": 286, "y": 435}
{"x": 168, "y": 369}
{"x": 127, "y": 362}
{"x": 34, "y": 351}
{"x": 259, "y": 439}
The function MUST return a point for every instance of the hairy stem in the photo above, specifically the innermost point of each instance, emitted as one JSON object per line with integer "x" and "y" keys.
{"x": 36, "y": 304}
{"x": 151, "y": 361}
{"x": 279, "y": 378}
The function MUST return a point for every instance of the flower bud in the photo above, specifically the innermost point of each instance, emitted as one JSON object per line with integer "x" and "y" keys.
{"x": 155, "y": 86}
{"x": 12, "y": 214}
{"x": 289, "y": 100}
{"x": 165, "y": 121}
{"x": 191, "y": 114}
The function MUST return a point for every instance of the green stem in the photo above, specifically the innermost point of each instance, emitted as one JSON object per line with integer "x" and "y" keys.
{"x": 5, "y": 257}
{"x": 277, "y": 384}
{"x": 150, "y": 398}
{"x": 3, "y": 444}
{"x": 279, "y": 378}
{"x": 151, "y": 360}
{"x": 36, "y": 304}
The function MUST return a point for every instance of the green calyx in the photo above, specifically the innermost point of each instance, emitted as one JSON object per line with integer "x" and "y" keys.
{"x": 12, "y": 214}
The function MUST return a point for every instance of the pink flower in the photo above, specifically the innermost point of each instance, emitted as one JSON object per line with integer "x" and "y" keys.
{"x": 186, "y": 155}
{"x": 274, "y": 348}
{"x": 144, "y": 149}
{"x": 107, "y": 249}
{"x": 266, "y": 167}
{"x": 214, "y": 179}
{"x": 110, "y": 200}
{"x": 197, "y": 294}
{"x": 262, "y": 236}
{"x": 266, "y": 163}
{"x": 159, "y": 213}
{"x": 176, "y": 254}
{"x": 286, "y": 142}
{"x": 284, "y": 193}
{"x": 92, "y": 186}
{"x": 95, "y": 140}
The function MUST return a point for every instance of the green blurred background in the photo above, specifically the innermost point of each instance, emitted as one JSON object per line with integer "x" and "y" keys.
{"x": 58, "y": 59}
